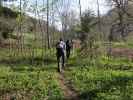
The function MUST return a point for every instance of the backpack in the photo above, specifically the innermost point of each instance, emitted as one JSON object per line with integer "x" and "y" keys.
{"x": 60, "y": 45}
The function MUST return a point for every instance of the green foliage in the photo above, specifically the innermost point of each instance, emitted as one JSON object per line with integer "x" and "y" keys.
{"x": 23, "y": 79}
{"x": 86, "y": 21}
{"x": 86, "y": 25}
{"x": 6, "y": 12}
{"x": 104, "y": 78}
{"x": 101, "y": 82}
{"x": 87, "y": 35}
{"x": 5, "y": 29}
{"x": 6, "y": 21}
{"x": 28, "y": 82}
{"x": 127, "y": 44}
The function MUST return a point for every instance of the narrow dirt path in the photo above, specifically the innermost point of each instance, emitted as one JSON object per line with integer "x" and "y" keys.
{"x": 68, "y": 90}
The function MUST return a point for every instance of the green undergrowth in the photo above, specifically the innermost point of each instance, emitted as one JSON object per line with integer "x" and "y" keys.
{"x": 127, "y": 44}
{"x": 108, "y": 79}
{"x": 34, "y": 78}
{"x": 34, "y": 84}
{"x": 116, "y": 63}
{"x": 27, "y": 78}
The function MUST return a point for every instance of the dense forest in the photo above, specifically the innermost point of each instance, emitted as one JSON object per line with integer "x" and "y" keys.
{"x": 55, "y": 50}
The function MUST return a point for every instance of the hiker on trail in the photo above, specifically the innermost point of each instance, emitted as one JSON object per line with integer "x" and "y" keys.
{"x": 68, "y": 48}
{"x": 60, "y": 52}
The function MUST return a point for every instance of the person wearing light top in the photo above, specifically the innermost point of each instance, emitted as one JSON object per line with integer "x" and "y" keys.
{"x": 60, "y": 52}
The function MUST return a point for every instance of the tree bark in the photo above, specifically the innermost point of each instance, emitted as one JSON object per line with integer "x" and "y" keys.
{"x": 48, "y": 36}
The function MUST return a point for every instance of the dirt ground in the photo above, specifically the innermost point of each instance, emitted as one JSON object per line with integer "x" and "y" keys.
{"x": 122, "y": 52}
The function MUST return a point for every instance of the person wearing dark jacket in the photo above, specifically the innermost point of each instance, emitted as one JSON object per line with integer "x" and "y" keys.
{"x": 68, "y": 49}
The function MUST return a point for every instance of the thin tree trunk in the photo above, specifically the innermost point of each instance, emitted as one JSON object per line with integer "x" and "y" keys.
{"x": 99, "y": 18}
{"x": 48, "y": 36}
{"x": 80, "y": 12}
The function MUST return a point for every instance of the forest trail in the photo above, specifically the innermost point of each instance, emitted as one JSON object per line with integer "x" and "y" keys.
{"x": 68, "y": 91}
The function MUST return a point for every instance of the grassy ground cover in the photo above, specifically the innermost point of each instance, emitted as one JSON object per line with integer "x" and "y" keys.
{"x": 107, "y": 79}
{"x": 24, "y": 80}
{"x": 111, "y": 79}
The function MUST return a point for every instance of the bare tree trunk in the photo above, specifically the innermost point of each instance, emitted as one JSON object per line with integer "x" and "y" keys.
{"x": 0, "y": 2}
{"x": 99, "y": 18}
{"x": 121, "y": 24}
{"x": 121, "y": 11}
{"x": 20, "y": 30}
{"x": 48, "y": 36}
{"x": 80, "y": 12}
{"x": 53, "y": 27}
